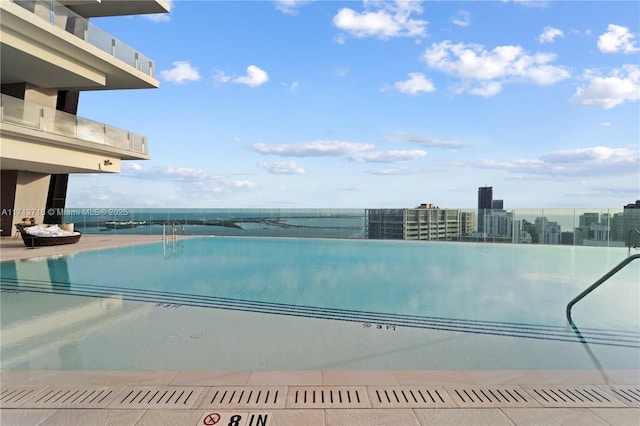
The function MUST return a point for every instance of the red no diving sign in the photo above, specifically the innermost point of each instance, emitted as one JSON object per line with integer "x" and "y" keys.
{"x": 235, "y": 419}
{"x": 210, "y": 419}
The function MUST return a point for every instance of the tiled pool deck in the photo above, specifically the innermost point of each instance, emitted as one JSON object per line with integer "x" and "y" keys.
{"x": 314, "y": 397}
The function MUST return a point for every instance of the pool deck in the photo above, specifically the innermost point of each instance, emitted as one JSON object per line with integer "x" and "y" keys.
{"x": 313, "y": 397}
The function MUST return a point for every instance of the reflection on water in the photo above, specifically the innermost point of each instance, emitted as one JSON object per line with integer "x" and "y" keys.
{"x": 246, "y": 299}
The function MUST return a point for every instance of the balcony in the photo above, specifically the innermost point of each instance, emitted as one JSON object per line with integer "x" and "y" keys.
{"x": 62, "y": 17}
{"x": 53, "y": 123}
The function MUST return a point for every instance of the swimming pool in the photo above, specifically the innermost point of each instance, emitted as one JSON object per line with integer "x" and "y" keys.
{"x": 230, "y": 303}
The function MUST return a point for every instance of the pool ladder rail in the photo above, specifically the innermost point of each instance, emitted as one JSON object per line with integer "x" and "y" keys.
{"x": 604, "y": 278}
{"x": 631, "y": 231}
{"x": 174, "y": 233}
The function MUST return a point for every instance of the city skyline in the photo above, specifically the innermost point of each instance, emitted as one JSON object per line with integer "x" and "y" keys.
{"x": 377, "y": 104}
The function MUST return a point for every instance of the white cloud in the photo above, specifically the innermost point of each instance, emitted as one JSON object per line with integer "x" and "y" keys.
{"x": 382, "y": 19}
{"x": 486, "y": 89}
{"x": 283, "y": 168}
{"x": 254, "y": 78}
{"x": 291, "y": 87}
{"x": 161, "y": 17}
{"x": 394, "y": 156}
{"x": 617, "y": 39}
{"x": 416, "y": 83}
{"x": 313, "y": 149}
{"x": 462, "y": 18}
{"x": 183, "y": 174}
{"x": 241, "y": 184}
{"x": 158, "y": 17}
{"x": 351, "y": 151}
{"x": 186, "y": 178}
{"x": 622, "y": 85}
{"x": 182, "y": 71}
{"x": 425, "y": 141}
{"x": 290, "y": 7}
{"x": 606, "y": 124}
{"x": 472, "y": 63}
{"x": 549, "y": 35}
{"x": 581, "y": 162}
{"x": 529, "y": 3}
{"x": 396, "y": 171}
{"x": 220, "y": 77}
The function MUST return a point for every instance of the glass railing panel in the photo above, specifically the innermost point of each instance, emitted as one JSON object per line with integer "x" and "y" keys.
{"x": 63, "y": 124}
{"x": 39, "y": 8}
{"x": 91, "y": 131}
{"x": 524, "y": 226}
{"x": 62, "y": 17}
{"x": 17, "y": 111}
{"x": 138, "y": 143}
{"x": 69, "y": 21}
{"x": 529, "y": 226}
{"x": 116, "y": 138}
{"x": 99, "y": 38}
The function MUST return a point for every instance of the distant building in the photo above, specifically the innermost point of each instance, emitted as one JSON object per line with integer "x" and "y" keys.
{"x": 499, "y": 224}
{"x": 497, "y": 204}
{"x": 547, "y": 232}
{"x": 616, "y": 227}
{"x": 631, "y": 220}
{"x": 468, "y": 223}
{"x": 552, "y": 233}
{"x": 485, "y": 205}
{"x": 567, "y": 238}
{"x": 591, "y": 231}
{"x": 414, "y": 224}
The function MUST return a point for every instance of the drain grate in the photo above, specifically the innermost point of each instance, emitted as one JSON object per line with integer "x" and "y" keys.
{"x": 327, "y": 397}
{"x": 164, "y": 397}
{"x": 490, "y": 396}
{"x": 409, "y": 397}
{"x": 72, "y": 397}
{"x": 245, "y": 397}
{"x": 17, "y": 395}
{"x": 573, "y": 396}
{"x": 630, "y": 394}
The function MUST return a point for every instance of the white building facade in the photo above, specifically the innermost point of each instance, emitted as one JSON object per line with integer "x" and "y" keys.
{"x": 50, "y": 53}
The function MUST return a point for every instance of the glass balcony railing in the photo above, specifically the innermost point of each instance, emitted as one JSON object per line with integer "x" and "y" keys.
{"x": 63, "y": 17}
{"x": 574, "y": 227}
{"x": 49, "y": 120}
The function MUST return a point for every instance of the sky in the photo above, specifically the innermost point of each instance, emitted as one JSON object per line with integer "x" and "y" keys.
{"x": 369, "y": 104}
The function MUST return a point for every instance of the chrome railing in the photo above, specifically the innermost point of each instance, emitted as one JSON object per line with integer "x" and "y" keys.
{"x": 631, "y": 231}
{"x": 598, "y": 283}
{"x": 49, "y": 120}
{"x": 63, "y": 17}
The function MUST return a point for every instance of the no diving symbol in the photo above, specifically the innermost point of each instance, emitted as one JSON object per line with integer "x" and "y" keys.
{"x": 211, "y": 419}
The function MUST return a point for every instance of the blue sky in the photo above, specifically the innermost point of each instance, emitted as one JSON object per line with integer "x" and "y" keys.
{"x": 302, "y": 104}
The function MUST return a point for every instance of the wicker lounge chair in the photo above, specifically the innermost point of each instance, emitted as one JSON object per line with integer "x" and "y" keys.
{"x": 41, "y": 240}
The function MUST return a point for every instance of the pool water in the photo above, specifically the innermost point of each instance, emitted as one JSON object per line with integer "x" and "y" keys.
{"x": 275, "y": 303}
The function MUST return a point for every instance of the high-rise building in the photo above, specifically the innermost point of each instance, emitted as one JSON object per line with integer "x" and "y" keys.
{"x": 50, "y": 53}
{"x": 485, "y": 204}
{"x": 617, "y": 227}
{"x": 631, "y": 221}
{"x": 414, "y": 224}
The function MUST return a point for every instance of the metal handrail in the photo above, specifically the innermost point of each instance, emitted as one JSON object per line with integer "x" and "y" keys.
{"x": 595, "y": 285}
{"x": 629, "y": 237}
